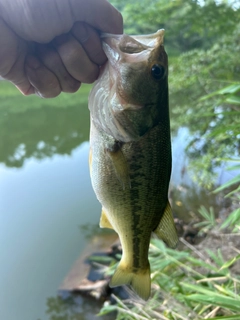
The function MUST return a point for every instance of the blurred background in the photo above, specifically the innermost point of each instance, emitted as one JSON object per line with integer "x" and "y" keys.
{"x": 48, "y": 211}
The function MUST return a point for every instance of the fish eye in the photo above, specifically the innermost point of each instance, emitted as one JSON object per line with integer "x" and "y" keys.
{"x": 157, "y": 71}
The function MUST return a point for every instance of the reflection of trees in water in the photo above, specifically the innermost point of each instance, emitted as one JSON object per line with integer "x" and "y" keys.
{"x": 186, "y": 200}
{"x": 90, "y": 230}
{"x": 74, "y": 307}
{"x": 42, "y": 133}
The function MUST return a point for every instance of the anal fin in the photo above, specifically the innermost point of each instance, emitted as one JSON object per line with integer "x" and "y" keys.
{"x": 166, "y": 229}
{"x": 104, "y": 222}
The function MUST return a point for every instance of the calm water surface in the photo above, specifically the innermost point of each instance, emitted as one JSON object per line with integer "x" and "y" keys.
{"x": 46, "y": 201}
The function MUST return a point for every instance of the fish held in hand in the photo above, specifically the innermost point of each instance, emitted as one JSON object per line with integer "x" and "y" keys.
{"x": 130, "y": 155}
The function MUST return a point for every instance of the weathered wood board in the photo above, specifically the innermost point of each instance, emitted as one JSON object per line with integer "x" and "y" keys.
{"x": 76, "y": 278}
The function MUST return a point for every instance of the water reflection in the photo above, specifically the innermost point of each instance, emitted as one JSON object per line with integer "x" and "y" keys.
{"x": 42, "y": 206}
{"x": 90, "y": 230}
{"x": 74, "y": 308}
{"x": 41, "y": 132}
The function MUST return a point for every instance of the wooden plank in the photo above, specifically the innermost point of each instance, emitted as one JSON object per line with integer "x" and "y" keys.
{"x": 77, "y": 276}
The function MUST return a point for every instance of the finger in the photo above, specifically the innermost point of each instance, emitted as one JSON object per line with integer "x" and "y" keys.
{"x": 90, "y": 40}
{"x": 98, "y": 13}
{"x": 43, "y": 80}
{"x": 12, "y": 56}
{"x": 51, "y": 59}
{"x": 75, "y": 59}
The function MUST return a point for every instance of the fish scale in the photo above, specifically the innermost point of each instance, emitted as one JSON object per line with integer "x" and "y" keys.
{"x": 130, "y": 157}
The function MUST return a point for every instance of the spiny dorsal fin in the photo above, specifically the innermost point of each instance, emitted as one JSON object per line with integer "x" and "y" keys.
{"x": 104, "y": 222}
{"x": 166, "y": 229}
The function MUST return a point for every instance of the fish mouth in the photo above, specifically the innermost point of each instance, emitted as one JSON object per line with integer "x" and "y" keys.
{"x": 149, "y": 40}
{"x": 115, "y": 46}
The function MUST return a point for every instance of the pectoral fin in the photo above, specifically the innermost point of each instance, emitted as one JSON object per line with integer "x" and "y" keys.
{"x": 120, "y": 166}
{"x": 104, "y": 222}
{"x": 166, "y": 229}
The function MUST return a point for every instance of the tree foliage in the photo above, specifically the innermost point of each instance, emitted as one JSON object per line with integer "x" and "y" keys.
{"x": 203, "y": 42}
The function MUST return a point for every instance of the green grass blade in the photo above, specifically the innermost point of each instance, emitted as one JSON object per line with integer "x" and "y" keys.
{"x": 233, "y": 88}
{"x": 217, "y": 300}
{"x": 235, "y": 317}
{"x": 228, "y": 184}
{"x": 230, "y": 262}
{"x": 232, "y": 219}
{"x": 233, "y": 100}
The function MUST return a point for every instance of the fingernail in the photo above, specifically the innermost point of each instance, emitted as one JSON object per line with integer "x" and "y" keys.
{"x": 80, "y": 31}
{"x": 37, "y": 93}
{"x": 32, "y": 62}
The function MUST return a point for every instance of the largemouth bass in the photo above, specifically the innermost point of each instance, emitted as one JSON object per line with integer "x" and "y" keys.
{"x": 130, "y": 155}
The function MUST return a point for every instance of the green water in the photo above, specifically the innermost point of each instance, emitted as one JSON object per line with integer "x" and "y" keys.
{"x": 47, "y": 203}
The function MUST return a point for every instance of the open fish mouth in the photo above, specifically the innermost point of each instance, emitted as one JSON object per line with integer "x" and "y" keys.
{"x": 114, "y": 45}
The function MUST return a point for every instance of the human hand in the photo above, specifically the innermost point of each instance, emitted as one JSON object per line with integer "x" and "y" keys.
{"x": 49, "y": 46}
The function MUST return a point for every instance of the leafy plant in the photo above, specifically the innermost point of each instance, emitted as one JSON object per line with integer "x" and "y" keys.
{"x": 209, "y": 221}
{"x": 233, "y": 220}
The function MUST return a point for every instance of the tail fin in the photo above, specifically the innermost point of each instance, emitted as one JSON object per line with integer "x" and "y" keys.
{"x": 139, "y": 280}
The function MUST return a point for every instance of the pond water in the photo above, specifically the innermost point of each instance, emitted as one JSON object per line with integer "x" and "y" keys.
{"x": 47, "y": 205}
